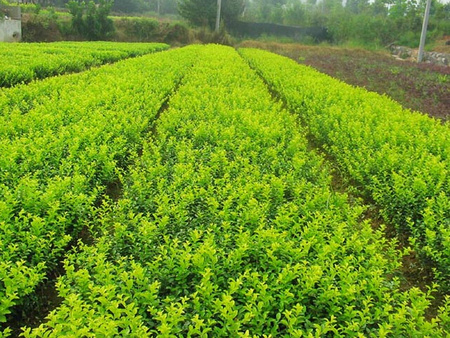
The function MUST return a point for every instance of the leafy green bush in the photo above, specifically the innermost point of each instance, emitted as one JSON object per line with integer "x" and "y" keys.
{"x": 228, "y": 227}
{"x": 399, "y": 159}
{"x": 140, "y": 29}
{"x": 63, "y": 142}
{"x": 26, "y": 62}
{"x": 177, "y": 32}
{"x": 90, "y": 20}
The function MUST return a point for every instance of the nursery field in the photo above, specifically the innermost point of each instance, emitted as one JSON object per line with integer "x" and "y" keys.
{"x": 422, "y": 87}
{"x": 194, "y": 197}
{"x": 22, "y": 63}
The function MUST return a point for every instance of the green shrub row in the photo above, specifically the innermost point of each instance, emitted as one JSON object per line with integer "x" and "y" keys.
{"x": 22, "y": 63}
{"x": 150, "y": 29}
{"x": 228, "y": 228}
{"x": 398, "y": 158}
{"x": 63, "y": 142}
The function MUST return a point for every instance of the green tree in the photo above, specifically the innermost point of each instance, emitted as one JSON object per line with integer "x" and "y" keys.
{"x": 130, "y": 6}
{"x": 357, "y": 6}
{"x": 203, "y": 12}
{"x": 90, "y": 20}
{"x": 198, "y": 12}
{"x": 379, "y": 8}
{"x": 268, "y": 10}
{"x": 294, "y": 14}
{"x": 76, "y": 9}
{"x": 164, "y": 6}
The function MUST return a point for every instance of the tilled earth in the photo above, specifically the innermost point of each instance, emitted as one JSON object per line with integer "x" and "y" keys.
{"x": 420, "y": 87}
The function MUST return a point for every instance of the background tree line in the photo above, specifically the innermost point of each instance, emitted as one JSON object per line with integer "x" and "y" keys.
{"x": 361, "y": 22}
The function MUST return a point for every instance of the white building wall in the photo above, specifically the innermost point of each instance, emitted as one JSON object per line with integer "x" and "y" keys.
{"x": 10, "y": 23}
{"x": 10, "y": 30}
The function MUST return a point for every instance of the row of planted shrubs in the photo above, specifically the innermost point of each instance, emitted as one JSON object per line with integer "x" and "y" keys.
{"x": 397, "y": 158}
{"x": 228, "y": 227}
{"x": 22, "y": 63}
{"x": 63, "y": 142}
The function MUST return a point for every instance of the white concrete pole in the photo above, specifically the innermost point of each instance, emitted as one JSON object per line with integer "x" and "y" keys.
{"x": 219, "y": 5}
{"x": 424, "y": 31}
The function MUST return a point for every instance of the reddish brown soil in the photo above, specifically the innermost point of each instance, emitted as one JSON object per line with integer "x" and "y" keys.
{"x": 420, "y": 87}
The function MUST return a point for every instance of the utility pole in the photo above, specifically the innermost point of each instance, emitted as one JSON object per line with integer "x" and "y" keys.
{"x": 424, "y": 31}
{"x": 219, "y": 7}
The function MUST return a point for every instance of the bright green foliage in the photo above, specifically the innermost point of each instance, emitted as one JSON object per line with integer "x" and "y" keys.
{"x": 62, "y": 142}
{"x": 398, "y": 158}
{"x": 228, "y": 228}
{"x": 90, "y": 19}
{"x": 22, "y": 63}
